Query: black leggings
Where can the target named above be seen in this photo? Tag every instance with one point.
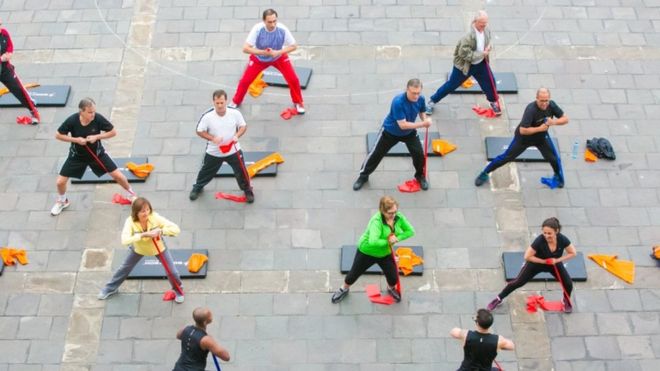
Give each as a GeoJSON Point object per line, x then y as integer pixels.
{"type": "Point", "coordinates": [10, 79]}
{"type": "Point", "coordinates": [529, 270]}
{"type": "Point", "coordinates": [384, 143]}
{"type": "Point", "coordinates": [212, 164]}
{"type": "Point", "coordinates": [518, 145]}
{"type": "Point", "coordinates": [362, 262]}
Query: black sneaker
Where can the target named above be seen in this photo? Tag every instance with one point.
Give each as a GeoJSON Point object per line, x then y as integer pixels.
{"type": "Point", "coordinates": [339, 295]}
{"type": "Point", "coordinates": [559, 181]}
{"type": "Point", "coordinates": [194, 194]}
{"type": "Point", "coordinates": [359, 183]}
{"type": "Point", "coordinates": [423, 184]}
{"type": "Point", "coordinates": [481, 179]}
{"type": "Point", "coordinates": [249, 196]}
{"type": "Point", "coordinates": [394, 294]}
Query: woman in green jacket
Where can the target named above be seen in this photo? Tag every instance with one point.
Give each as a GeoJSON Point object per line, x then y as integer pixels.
{"type": "Point", "coordinates": [386, 228]}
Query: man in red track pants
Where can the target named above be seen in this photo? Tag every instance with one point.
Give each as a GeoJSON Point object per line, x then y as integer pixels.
{"type": "Point", "coordinates": [269, 44]}
{"type": "Point", "coordinates": [9, 77]}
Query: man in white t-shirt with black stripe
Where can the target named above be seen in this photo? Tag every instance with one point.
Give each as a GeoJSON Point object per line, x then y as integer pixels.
{"type": "Point", "coordinates": [222, 127]}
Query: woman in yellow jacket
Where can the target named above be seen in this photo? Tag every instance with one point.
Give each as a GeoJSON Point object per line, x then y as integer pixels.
{"type": "Point", "coordinates": [140, 228]}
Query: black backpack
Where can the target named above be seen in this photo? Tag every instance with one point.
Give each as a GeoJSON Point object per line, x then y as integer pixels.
{"type": "Point", "coordinates": [602, 148]}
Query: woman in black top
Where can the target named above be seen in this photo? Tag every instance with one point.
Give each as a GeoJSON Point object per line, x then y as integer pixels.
{"type": "Point", "coordinates": [546, 250]}
{"type": "Point", "coordinates": [480, 346]}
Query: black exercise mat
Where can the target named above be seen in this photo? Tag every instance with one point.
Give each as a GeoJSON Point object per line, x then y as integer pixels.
{"type": "Point", "coordinates": [505, 81]}
{"type": "Point", "coordinates": [150, 267]}
{"type": "Point", "coordinates": [90, 177]}
{"type": "Point", "coordinates": [348, 254]}
{"type": "Point", "coordinates": [513, 262]}
{"type": "Point", "coordinates": [273, 77]}
{"type": "Point", "coordinates": [495, 146]}
{"type": "Point", "coordinates": [400, 148]}
{"type": "Point", "coordinates": [249, 158]}
{"type": "Point", "coordinates": [44, 96]}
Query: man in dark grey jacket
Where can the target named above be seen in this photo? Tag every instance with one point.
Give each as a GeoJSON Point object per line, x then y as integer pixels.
{"type": "Point", "coordinates": [471, 59]}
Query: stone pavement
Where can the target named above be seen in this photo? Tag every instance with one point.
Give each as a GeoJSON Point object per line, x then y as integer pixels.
{"type": "Point", "coordinates": [152, 65]}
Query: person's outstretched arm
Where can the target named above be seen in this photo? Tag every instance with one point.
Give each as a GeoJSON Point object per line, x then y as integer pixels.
{"type": "Point", "coordinates": [212, 346]}
{"type": "Point", "coordinates": [505, 344]}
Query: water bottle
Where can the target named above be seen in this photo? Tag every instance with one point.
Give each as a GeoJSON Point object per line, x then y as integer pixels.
{"type": "Point", "coordinates": [576, 146]}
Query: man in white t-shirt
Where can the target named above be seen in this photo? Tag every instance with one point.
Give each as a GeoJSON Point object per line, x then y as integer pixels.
{"type": "Point", "coordinates": [269, 44]}
{"type": "Point", "coordinates": [222, 127]}
{"type": "Point", "coordinates": [471, 59]}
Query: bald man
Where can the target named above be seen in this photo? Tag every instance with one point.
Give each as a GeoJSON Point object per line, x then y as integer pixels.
{"type": "Point", "coordinates": [471, 59]}
{"type": "Point", "coordinates": [539, 116]}
{"type": "Point", "coordinates": [196, 344]}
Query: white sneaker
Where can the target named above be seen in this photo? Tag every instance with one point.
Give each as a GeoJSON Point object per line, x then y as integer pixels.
{"type": "Point", "coordinates": [300, 108]}
{"type": "Point", "coordinates": [178, 298]}
{"type": "Point", "coordinates": [59, 206]}
{"type": "Point", "coordinates": [232, 105]}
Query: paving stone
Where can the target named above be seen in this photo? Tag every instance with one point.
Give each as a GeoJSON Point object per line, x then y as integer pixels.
{"type": "Point", "coordinates": [45, 351]}
{"type": "Point", "coordinates": [635, 347]}
{"type": "Point", "coordinates": [644, 322]}
{"type": "Point", "coordinates": [624, 300]}
{"type": "Point", "coordinates": [22, 304]}
{"type": "Point", "coordinates": [34, 327]}
{"type": "Point", "coordinates": [613, 324]}
{"type": "Point", "coordinates": [603, 347]}
{"type": "Point", "coordinates": [8, 327]}
{"type": "Point", "coordinates": [580, 325]}
{"type": "Point", "coordinates": [568, 348]}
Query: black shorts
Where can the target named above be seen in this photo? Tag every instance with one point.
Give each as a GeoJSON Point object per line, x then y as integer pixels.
{"type": "Point", "coordinates": [75, 166]}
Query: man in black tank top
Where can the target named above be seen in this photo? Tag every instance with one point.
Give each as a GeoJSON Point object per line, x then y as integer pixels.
{"type": "Point", "coordinates": [196, 344]}
{"type": "Point", "coordinates": [480, 346]}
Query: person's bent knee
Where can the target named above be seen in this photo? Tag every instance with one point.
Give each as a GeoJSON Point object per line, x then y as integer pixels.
{"type": "Point", "coordinates": [117, 175]}
{"type": "Point", "coordinates": [61, 180]}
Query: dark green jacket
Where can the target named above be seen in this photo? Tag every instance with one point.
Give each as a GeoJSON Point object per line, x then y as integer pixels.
{"type": "Point", "coordinates": [374, 240]}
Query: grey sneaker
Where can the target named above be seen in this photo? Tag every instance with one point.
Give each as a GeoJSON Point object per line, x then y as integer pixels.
{"type": "Point", "coordinates": [429, 107]}
{"type": "Point", "coordinates": [232, 105]}
{"type": "Point", "coordinates": [178, 298]}
{"type": "Point", "coordinates": [568, 307]}
{"type": "Point", "coordinates": [339, 295]}
{"type": "Point", "coordinates": [103, 295]}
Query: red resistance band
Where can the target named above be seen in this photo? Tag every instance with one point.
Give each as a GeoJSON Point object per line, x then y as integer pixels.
{"type": "Point", "coordinates": [230, 197]}
{"type": "Point", "coordinates": [98, 161]}
{"type": "Point", "coordinates": [167, 268]}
